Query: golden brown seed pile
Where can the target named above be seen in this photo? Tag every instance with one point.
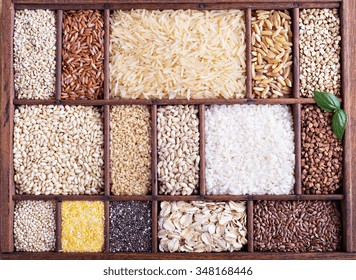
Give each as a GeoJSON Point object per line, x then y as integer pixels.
{"type": "Point", "coordinates": [130, 152]}
{"type": "Point", "coordinates": [82, 55]}
{"type": "Point", "coordinates": [321, 153]}
{"type": "Point", "coordinates": [297, 226]}
{"type": "Point", "coordinates": [271, 54]}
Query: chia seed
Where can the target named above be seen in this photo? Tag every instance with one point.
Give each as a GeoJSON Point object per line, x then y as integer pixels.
{"type": "Point", "coordinates": [130, 226]}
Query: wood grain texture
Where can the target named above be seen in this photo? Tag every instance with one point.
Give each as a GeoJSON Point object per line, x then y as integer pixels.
{"type": "Point", "coordinates": [351, 128]}
{"type": "Point", "coordinates": [210, 101]}
{"type": "Point", "coordinates": [250, 226]}
{"type": "Point", "coordinates": [347, 28]}
{"type": "Point", "coordinates": [295, 28]}
{"type": "Point", "coordinates": [171, 1]}
{"type": "Point", "coordinates": [162, 5]}
{"type": "Point", "coordinates": [107, 178]}
{"type": "Point", "coordinates": [6, 128]}
{"type": "Point", "coordinates": [202, 179]}
{"type": "Point", "coordinates": [183, 256]}
{"type": "Point", "coordinates": [154, 152]}
{"type": "Point", "coordinates": [296, 109]}
{"type": "Point", "coordinates": [58, 226]}
{"type": "Point", "coordinates": [107, 227]}
{"type": "Point", "coordinates": [58, 87]}
{"type": "Point", "coordinates": [154, 214]}
{"type": "Point", "coordinates": [249, 197]}
{"type": "Point", "coordinates": [84, 197]}
{"type": "Point", "coordinates": [178, 197]}
{"type": "Point", "coordinates": [248, 53]}
{"type": "Point", "coordinates": [106, 54]}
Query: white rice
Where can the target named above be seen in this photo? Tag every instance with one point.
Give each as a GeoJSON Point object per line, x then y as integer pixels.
{"type": "Point", "coordinates": [177, 54]}
{"type": "Point", "coordinates": [249, 149]}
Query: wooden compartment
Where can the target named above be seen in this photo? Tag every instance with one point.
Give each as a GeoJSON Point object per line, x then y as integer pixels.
{"type": "Point", "coordinates": [8, 104]}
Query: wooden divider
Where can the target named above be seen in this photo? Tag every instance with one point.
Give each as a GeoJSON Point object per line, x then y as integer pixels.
{"type": "Point", "coordinates": [107, 150]}
{"type": "Point", "coordinates": [296, 109]}
{"type": "Point", "coordinates": [107, 179]}
{"type": "Point", "coordinates": [106, 54]}
{"type": "Point", "coordinates": [58, 87]}
{"type": "Point", "coordinates": [154, 151]}
{"type": "Point", "coordinates": [181, 197]}
{"type": "Point", "coordinates": [107, 226]}
{"type": "Point", "coordinates": [348, 22]}
{"type": "Point", "coordinates": [58, 225]}
{"type": "Point", "coordinates": [248, 53]}
{"type": "Point", "coordinates": [250, 226]}
{"type": "Point", "coordinates": [154, 213]}
{"type": "Point", "coordinates": [154, 178]}
{"type": "Point", "coordinates": [295, 30]}
{"type": "Point", "coordinates": [202, 183]}
{"type": "Point", "coordinates": [7, 184]}
{"type": "Point", "coordinates": [196, 5]}
{"type": "Point", "coordinates": [160, 102]}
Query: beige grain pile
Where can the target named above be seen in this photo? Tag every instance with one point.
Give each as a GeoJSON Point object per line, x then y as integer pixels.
{"type": "Point", "coordinates": [130, 150]}
{"type": "Point", "coordinates": [58, 150]}
{"type": "Point", "coordinates": [177, 54]}
{"type": "Point", "coordinates": [200, 226]}
{"type": "Point", "coordinates": [34, 54]}
{"type": "Point", "coordinates": [320, 47]}
{"type": "Point", "coordinates": [178, 149]}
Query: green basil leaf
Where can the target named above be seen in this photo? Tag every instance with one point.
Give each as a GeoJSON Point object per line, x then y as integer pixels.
{"type": "Point", "coordinates": [326, 101]}
{"type": "Point", "coordinates": [338, 123]}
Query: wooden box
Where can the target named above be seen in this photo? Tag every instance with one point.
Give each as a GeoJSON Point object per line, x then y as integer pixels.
{"type": "Point", "coordinates": [347, 197]}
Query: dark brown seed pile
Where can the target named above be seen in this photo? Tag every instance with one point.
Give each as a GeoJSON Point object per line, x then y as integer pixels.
{"type": "Point", "coordinates": [321, 153]}
{"type": "Point", "coordinates": [130, 226]}
{"type": "Point", "coordinates": [82, 55]}
{"type": "Point", "coordinates": [297, 226]}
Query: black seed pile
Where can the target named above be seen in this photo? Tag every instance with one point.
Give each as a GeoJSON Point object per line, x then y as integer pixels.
{"type": "Point", "coordinates": [130, 226]}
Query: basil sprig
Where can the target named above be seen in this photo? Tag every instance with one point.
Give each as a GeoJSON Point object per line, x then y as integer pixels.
{"type": "Point", "coordinates": [330, 103]}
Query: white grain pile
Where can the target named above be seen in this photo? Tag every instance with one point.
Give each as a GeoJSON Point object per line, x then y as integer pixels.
{"type": "Point", "coordinates": [34, 226]}
{"type": "Point", "coordinates": [249, 149]}
{"type": "Point", "coordinates": [177, 54]}
{"type": "Point", "coordinates": [58, 150]}
{"type": "Point", "coordinates": [34, 54]}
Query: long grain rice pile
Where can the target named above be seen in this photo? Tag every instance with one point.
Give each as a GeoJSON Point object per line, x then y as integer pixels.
{"type": "Point", "coordinates": [177, 54]}
{"type": "Point", "coordinates": [249, 149]}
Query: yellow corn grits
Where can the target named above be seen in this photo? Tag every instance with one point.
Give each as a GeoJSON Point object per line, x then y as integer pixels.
{"type": "Point", "coordinates": [82, 226]}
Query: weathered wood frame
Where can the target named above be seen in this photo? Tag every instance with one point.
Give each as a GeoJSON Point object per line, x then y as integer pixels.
{"type": "Point", "coordinates": [8, 103]}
